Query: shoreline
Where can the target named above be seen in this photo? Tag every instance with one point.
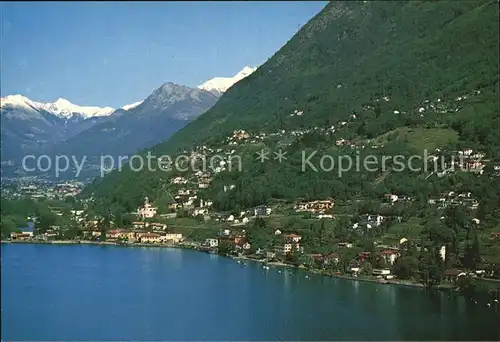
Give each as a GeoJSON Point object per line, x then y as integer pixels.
{"type": "Point", "coordinates": [98, 243]}
{"type": "Point", "coordinates": [346, 277]}
{"type": "Point", "coordinates": [405, 283]}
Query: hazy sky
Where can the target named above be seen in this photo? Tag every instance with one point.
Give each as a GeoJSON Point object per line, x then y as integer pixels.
{"type": "Point", "coordinates": [112, 54]}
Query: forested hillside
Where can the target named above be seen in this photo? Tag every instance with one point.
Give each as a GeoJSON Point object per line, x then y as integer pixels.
{"type": "Point", "coordinates": [355, 52]}
{"type": "Point", "coordinates": [343, 63]}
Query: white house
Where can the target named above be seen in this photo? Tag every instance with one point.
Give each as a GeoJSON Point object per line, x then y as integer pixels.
{"type": "Point", "coordinates": [382, 272]}
{"type": "Point", "coordinates": [442, 252]}
{"type": "Point", "coordinates": [212, 242]}
{"type": "Point", "coordinates": [173, 237]}
{"type": "Point", "coordinates": [262, 211]}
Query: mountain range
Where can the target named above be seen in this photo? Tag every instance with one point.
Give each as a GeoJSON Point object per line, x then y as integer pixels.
{"type": "Point", "coordinates": [61, 127]}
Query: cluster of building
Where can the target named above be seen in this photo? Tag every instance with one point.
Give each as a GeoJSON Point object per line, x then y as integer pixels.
{"type": "Point", "coordinates": [243, 217]}
{"type": "Point", "coordinates": [38, 190]}
{"type": "Point", "coordinates": [316, 207]}
{"type": "Point", "coordinates": [237, 137]}
{"type": "Point", "coordinates": [454, 199]}
{"type": "Point", "coordinates": [187, 199]}
{"type": "Point", "coordinates": [62, 190]}
{"type": "Point", "coordinates": [137, 236]}
{"type": "Point", "coordinates": [288, 243]}
{"type": "Point", "coordinates": [368, 221]}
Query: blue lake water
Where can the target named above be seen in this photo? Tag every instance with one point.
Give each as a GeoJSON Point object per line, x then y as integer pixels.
{"type": "Point", "coordinates": [113, 293]}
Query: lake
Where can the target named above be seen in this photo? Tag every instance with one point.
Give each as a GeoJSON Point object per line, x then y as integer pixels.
{"type": "Point", "coordinates": [115, 293]}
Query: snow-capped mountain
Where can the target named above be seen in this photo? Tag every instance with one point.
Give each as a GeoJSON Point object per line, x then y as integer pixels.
{"type": "Point", "coordinates": [62, 127]}
{"type": "Point", "coordinates": [219, 85]}
{"type": "Point", "coordinates": [132, 105]}
{"type": "Point", "coordinates": [141, 125]}
{"type": "Point", "coordinates": [61, 107]}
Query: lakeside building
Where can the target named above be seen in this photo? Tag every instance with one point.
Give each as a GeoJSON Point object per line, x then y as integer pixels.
{"type": "Point", "coordinates": [291, 242]}
{"type": "Point", "coordinates": [211, 243]}
{"type": "Point", "coordinates": [24, 233]}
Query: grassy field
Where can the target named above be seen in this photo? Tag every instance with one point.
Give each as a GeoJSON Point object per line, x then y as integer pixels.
{"type": "Point", "coordinates": [419, 139]}
{"type": "Point", "coordinates": [410, 229]}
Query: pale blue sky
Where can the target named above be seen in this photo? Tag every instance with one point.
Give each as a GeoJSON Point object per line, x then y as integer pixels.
{"type": "Point", "coordinates": [111, 54]}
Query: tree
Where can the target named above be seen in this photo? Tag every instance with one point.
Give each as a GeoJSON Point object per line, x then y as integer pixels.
{"type": "Point", "coordinates": [347, 255]}
{"type": "Point", "coordinates": [44, 220]}
{"type": "Point", "coordinates": [430, 268]}
{"type": "Point", "coordinates": [368, 245]}
{"type": "Point", "coordinates": [104, 224]}
{"type": "Point", "coordinates": [405, 267]}
{"type": "Point", "coordinates": [307, 260]}
{"type": "Point", "coordinates": [438, 233]}
{"type": "Point", "coordinates": [294, 256]}
{"type": "Point", "coordinates": [259, 223]}
{"type": "Point", "coordinates": [377, 110]}
{"type": "Point", "coordinates": [7, 226]}
{"type": "Point", "coordinates": [74, 231]}
{"type": "Point", "coordinates": [367, 268]}
{"type": "Point", "coordinates": [341, 229]}
{"type": "Point", "coordinates": [472, 255]}
{"type": "Point", "coordinates": [322, 233]}
{"type": "Point", "coordinates": [224, 247]}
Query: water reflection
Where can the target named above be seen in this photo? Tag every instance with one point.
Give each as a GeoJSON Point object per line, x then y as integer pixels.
{"type": "Point", "coordinates": [389, 293]}
{"type": "Point", "coordinates": [356, 286]}
{"type": "Point", "coordinates": [173, 256]}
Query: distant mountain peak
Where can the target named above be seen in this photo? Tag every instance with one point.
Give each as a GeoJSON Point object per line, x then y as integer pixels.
{"type": "Point", "coordinates": [61, 101]}
{"type": "Point", "coordinates": [61, 107]}
{"type": "Point", "coordinates": [219, 85]}
{"type": "Point", "coordinates": [170, 86]}
{"type": "Point", "coordinates": [17, 100]}
{"type": "Point", "coordinates": [13, 98]}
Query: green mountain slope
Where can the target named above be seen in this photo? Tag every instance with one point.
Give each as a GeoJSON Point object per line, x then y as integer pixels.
{"type": "Point", "coordinates": [354, 52]}
{"type": "Point", "coordinates": [344, 62]}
